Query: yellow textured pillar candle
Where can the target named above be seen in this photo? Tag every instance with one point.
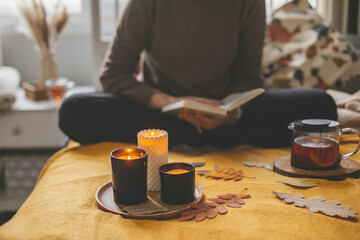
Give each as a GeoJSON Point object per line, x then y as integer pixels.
{"type": "Point", "coordinates": [155, 142]}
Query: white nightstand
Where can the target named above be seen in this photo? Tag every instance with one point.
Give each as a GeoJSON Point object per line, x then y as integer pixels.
{"type": "Point", "coordinates": [29, 135]}
{"type": "Point", "coordinates": [33, 124]}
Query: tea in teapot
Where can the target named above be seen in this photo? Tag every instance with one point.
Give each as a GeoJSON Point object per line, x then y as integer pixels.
{"type": "Point", "coordinates": [315, 144]}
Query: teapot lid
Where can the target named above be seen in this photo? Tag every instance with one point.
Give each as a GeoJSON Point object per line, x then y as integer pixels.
{"type": "Point", "coordinates": [316, 124]}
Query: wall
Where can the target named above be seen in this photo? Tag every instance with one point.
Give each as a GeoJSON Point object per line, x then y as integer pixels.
{"type": "Point", "coordinates": [74, 55]}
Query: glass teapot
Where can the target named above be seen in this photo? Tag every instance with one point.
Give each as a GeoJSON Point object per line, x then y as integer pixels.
{"type": "Point", "coordinates": [315, 144]}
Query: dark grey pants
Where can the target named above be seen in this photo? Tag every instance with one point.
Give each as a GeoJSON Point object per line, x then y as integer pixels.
{"type": "Point", "coordinates": [98, 117]}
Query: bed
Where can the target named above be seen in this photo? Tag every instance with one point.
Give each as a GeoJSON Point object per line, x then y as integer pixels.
{"type": "Point", "coordinates": [63, 205]}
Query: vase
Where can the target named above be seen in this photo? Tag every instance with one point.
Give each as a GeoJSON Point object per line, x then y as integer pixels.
{"type": "Point", "coordinates": [47, 67]}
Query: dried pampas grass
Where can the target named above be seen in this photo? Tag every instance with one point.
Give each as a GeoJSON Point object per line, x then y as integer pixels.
{"type": "Point", "coordinates": [44, 27]}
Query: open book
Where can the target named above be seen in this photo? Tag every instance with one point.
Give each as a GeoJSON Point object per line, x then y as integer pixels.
{"type": "Point", "coordinates": [230, 103]}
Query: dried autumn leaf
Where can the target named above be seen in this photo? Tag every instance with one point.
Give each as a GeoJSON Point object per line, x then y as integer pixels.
{"type": "Point", "coordinates": [200, 211]}
{"type": "Point", "coordinates": [203, 205]}
{"type": "Point", "coordinates": [193, 205]}
{"type": "Point", "coordinates": [210, 204]}
{"type": "Point", "coordinates": [221, 209]}
{"type": "Point", "coordinates": [298, 183]}
{"type": "Point", "coordinates": [225, 197]}
{"type": "Point", "coordinates": [211, 213]}
{"type": "Point", "coordinates": [258, 165]}
{"type": "Point", "coordinates": [233, 204]}
{"type": "Point", "coordinates": [239, 173]}
{"type": "Point", "coordinates": [217, 168]}
{"type": "Point", "coordinates": [231, 194]}
{"type": "Point", "coordinates": [198, 205]}
{"type": "Point", "coordinates": [232, 171]}
{"type": "Point", "coordinates": [216, 175]}
{"type": "Point", "coordinates": [225, 173]}
{"type": "Point", "coordinates": [318, 204]}
{"type": "Point", "coordinates": [244, 196]}
{"type": "Point", "coordinates": [217, 200]}
{"type": "Point", "coordinates": [229, 177]}
{"type": "Point", "coordinates": [191, 212]}
{"type": "Point", "coordinates": [200, 216]}
{"type": "Point", "coordinates": [237, 179]}
{"type": "Point", "coordinates": [186, 217]}
{"type": "Point", "coordinates": [239, 201]}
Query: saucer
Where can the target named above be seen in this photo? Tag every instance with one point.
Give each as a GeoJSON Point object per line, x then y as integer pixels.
{"type": "Point", "coordinates": [348, 168]}
{"type": "Point", "coordinates": [105, 200]}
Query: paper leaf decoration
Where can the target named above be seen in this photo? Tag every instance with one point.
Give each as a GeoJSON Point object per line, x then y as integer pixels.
{"type": "Point", "coordinates": [318, 204]}
{"type": "Point", "coordinates": [200, 211]}
{"type": "Point", "coordinates": [259, 165]}
{"type": "Point", "coordinates": [299, 183]}
{"type": "Point", "coordinates": [225, 173]}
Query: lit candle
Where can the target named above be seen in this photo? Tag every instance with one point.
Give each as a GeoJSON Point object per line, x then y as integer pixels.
{"type": "Point", "coordinates": [129, 175]}
{"type": "Point", "coordinates": [177, 183]}
{"type": "Point", "coordinates": [155, 142]}
{"type": "Point", "coordinates": [177, 171]}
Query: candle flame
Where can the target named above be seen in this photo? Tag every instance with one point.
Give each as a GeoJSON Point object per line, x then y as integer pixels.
{"type": "Point", "coordinates": [152, 133]}
{"type": "Point", "coordinates": [129, 157]}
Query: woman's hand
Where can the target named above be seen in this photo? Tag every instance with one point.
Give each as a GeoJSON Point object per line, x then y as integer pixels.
{"type": "Point", "coordinates": [159, 100]}
{"type": "Point", "coordinates": [209, 123]}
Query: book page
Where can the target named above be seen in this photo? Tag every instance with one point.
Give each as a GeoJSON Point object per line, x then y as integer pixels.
{"type": "Point", "coordinates": [237, 99]}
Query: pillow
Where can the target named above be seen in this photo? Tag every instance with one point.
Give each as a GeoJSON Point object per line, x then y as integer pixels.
{"type": "Point", "coordinates": [302, 50]}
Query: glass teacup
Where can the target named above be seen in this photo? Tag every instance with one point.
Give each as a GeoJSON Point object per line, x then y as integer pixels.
{"type": "Point", "coordinates": [57, 87]}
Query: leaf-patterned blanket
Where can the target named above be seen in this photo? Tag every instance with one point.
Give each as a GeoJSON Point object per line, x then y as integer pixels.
{"type": "Point", "coordinates": [302, 50]}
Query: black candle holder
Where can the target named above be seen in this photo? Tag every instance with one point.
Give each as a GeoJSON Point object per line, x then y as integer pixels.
{"type": "Point", "coordinates": [177, 183]}
{"type": "Point", "coordinates": [129, 175]}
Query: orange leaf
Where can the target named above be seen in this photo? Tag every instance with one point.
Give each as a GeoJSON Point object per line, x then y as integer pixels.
{"type": "Point", "coordinates": [230, 194]}
{"type": "Point", "coordinates": [216, 175]}
{"type": "Point", "coordinates": [217, 200]}
{"type": "Point", "coordinates": [200, 216]}
{"type": "Point", "coordinates": [221, 209]}
{"type": "Point", "coordinates": [247, 196]}
{"type": "Point", "coordinates": [225, 197]}
{"type": "Point", "coordinates": [210, 204]}
{"type": "Point", "coordinates": [232, 171]}
{"type": "Point", "coordinates": [239, 173]}
{"type": "Point", "coordinates": [233, 204]}
{"type": "Point", "coordinates": [211, 213]}
{"type": "Point", "coordinates": [229, 177]}
{"type": "Point", "coordinates": [203, 205]}
{"type": "Point", "coordinates": [239, 201]}
{"type": "Point", "coordinates": [191, 212]}
{"type": "Point", "coordinates": [217, 168]}
{"type": "Point", "coordinates": [186, 217]}
{"type": "Point", "coordinates": [237, 178]}
{"type": "Point", "coordinates": [197, 205]}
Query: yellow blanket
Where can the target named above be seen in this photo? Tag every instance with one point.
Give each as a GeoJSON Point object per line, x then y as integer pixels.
{"type": "Point", "coordinates": [63, 206]}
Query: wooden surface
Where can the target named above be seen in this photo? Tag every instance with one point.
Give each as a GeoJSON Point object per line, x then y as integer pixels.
{"type": "Point", "coordinates": [348, 168]}
{"type": "Point", "coordinates": [105, 200]}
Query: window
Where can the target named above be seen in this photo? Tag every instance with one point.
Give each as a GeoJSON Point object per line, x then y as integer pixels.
{"type": "Point", "coordinates": [110, 12]}
{"type": "Point", "coordinates": [272, 5]}
{"type": "Point", "coordinates": [9, 7]}
{"type": "Point", "coordinates": [77, 8]}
